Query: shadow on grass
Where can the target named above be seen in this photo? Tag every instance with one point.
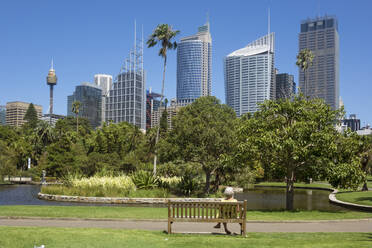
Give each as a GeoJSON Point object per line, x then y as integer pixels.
{"type": "Point", "coordinates": [364, 199]}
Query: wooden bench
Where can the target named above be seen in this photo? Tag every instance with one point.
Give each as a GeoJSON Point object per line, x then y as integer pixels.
{"type": "Point", "coordinates": [223, 212]}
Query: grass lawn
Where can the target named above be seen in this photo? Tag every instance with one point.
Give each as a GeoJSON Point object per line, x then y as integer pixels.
{"type": "Point", "coordinates": [161, 213]}
{"type": "Point", "coordinates": [26, 237]}
{"type": "Point", "coordinates": [361, 197]}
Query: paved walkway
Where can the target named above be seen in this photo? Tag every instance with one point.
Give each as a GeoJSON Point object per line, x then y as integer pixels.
{"type": "Point", "coordinates": [314, 226]}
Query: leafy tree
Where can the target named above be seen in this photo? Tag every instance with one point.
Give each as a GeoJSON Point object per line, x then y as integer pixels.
{"type": "Point", "coordinates": [69, 124]}
{"type": "Point", "coordinates": [304, 61]}
{"type": "Point", "coordinates": [7, 163]}
{"type": "Point", "coordinates": [164, 122]}
{"type": "Point", "coordinates": [31, 116]}
{"type": "Point", "coordinates": [365, 151]}
{"type": "Point", "coordinates": [296, 140]}
{"type": "Point", "coordinates": [75, 110]}
{"type": "Point", "coordinates": [163, 34]}
{"type": "Point", "coordinates": [203, 133]}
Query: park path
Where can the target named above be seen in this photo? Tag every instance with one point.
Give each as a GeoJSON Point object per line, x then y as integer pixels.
{"type": "Point", "coordinates": [161, 225]}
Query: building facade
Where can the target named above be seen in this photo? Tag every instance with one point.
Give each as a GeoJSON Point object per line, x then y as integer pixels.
{"type": "Point", "coordinates": [2, 115]}
{"type": "Point", "coordinates": [320, 35]}
{"type": "Point", "coordinates": [152, 104]}
{"type": "Point", "coordinates": [127, 98]}
{"type": "Point", "coordinates": [105, 82]}
{"type": "Point", "coordinates": [194, 66]}
{"type": "Point", "coordinates": [90, 98]}
{"type": "Point", "coordinates": [52, 118]}
{"type": "Point", "coordinates": [172, 111]}
{"type": "Point", "coordinates": [353, 123]}
{"type": "Point", "coordinates": [15, 113]}
{"type": "Point", "coordinates": [250, 75]}
{"type": "Point", "coordinates": [285, 85]}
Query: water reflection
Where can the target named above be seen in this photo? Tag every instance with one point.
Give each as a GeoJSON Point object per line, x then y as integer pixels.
{"type": "Point", "coordinates": [269, 198]}
{"type": "Point", "coordinates": [258, 199]}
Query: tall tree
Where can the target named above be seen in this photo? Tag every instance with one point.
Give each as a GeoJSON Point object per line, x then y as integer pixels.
{"type": "Point", "coordinates": [203, 133]}
{"type": "Point", "coordinates": [304, 61]}
{"type": "Point", "coordinates": [296, 140]}
{"type": "Point", "coordinates": [163, 34]}
{"type": "Point", "coordinates": [31, 116]}
{"type": "Point", "coordinates": [76, 110]}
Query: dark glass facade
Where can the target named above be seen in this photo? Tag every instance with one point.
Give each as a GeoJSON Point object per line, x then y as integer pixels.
{"type": "Point", "coordinates": [285, 85]}
{"type": "Point", "coordinates": [90, 98]}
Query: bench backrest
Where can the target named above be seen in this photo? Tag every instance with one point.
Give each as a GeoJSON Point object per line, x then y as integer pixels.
{"type": "Point", "coordinates": [207, 210]}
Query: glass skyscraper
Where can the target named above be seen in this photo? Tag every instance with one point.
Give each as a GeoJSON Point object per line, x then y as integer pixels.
{"type": "Point", "coordinates": [320, 35]}
{"type": "Point", "coordinates": [194, 66]}
{"type": "Point", "coordinates": [250, 75]}
{"type": "Point", "coordinates": [90, 98]}
{"type": "Point", "coordinates": [285, 85]}
{"type": "Point", "coordinates": [126, 100]}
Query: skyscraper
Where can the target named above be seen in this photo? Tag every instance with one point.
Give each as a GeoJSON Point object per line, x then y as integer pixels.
{"type": "Point", "coordinates": [51, 81]}
{"type": "Point", "coordinates": [127, 99]}
{"type": "Point", "coordinates": [250, 76]}
{"type": "Point", "coordinates": [152, 105]}
{"type": "Point", "coordinates": [15, 113]}
{"type": "Point", "coordinates": [194, 66]}
{"type": "Point", "coordinates": [2, 115]}
{"type": "Point", "coordinates": [105, 82]}
{"type": "Point", "coordinates": [90, 98]}
{"type": "Point", "coordinates": [320, 35]}
{"type": "Point", "coordinates": [285, 85]}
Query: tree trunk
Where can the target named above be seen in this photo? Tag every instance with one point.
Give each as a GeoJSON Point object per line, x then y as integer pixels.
{"type": "Point", "coordinates": [207, 182]}
{"type": "Point", "coordinates": [289, 190]}
{"type": "Point", "coordinates": [77, 124]}
{"type": "Point", "coordinates": [365, 187]}
{"type": "Point", "coordinates": [158, 128]}
{"type": "Point", "coordinates": [217, 182]}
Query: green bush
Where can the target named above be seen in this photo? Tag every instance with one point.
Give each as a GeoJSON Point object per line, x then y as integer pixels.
{"type": "Point", "coordinates": [188, 185]}
{"type": "Point", "coordinates": [145, 180]}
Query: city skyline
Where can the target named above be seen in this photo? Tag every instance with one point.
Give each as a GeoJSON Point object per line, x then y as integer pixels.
{"type": "Point", "coordinates": [78, 57]}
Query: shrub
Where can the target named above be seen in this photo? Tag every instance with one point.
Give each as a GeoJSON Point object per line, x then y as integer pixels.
{"type": "Point", "coordinates": [169, 182]}
{"type": "Point", "coordinates": [145, 180]}
{"type": "Point", "coordinates": [187, 185]}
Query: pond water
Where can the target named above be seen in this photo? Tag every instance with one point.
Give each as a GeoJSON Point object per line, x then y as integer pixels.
{"type": "Point", "coordinates": [267, 198]}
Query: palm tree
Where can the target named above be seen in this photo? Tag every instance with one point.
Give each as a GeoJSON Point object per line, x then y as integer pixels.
{"type": "Point", "coordinates": [75, 110]}
{"type": "Point", "coordinates": [163, 34]}
{"type": "Point", "coordinates": [304, 61]}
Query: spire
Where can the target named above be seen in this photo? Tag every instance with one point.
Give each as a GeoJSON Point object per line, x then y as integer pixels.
{"type": "Point", "coordinates": [51, 65]}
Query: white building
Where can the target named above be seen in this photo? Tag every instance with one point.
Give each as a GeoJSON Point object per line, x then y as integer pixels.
{"type": "Point", "coordinates": [105, 82]}
{"type": "Point", "coordinates": [250, 75]}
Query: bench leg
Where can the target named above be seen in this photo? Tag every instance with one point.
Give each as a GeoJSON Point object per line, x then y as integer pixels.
{"type": "Point", "coordinates": [169, 227]}
{"type": "Point", "coordinates": [244, 228]}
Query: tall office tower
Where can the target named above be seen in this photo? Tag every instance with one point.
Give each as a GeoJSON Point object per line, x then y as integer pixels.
{"type": "Point", "coordinates": [105, 82]}
{"type": "Point", "coordinates": [320, 35]}
{"type": "Point", "coordinates": [127, 99]}
{"type": "Point", "coordinates": [250, 75]}
{"type": "Point", "coordinates": [285, 85]}
{"type": "Point", "coordinates": [194, 66]}
{"type": "Point", "coordinates": [51, 81]}
{"type": "Point", "coordinates": [15, 113]}
{"type": "Point", "coordinates": [2, 115]}
{"type": "Point", "coordinates": [152, 104]}
{"type": "Point", "coordinates": [90, 98]}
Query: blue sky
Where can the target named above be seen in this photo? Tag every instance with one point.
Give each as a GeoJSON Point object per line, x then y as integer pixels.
{"type": "Point", "coordinates": [91, 37]}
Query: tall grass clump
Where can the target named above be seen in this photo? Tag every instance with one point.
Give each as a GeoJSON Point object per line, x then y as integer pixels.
{"type": "Point", "coordinates": [99, 186]}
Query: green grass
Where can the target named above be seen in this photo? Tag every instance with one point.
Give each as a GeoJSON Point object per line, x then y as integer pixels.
{"type": "Point", "coordinates": [307, 185]}
{"type": "Point", "coordinates": [361, 197]}
{"type": "Point", "coordinates": [26, 237]}
{"type": "Point", "coordinates": [161, 213]}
